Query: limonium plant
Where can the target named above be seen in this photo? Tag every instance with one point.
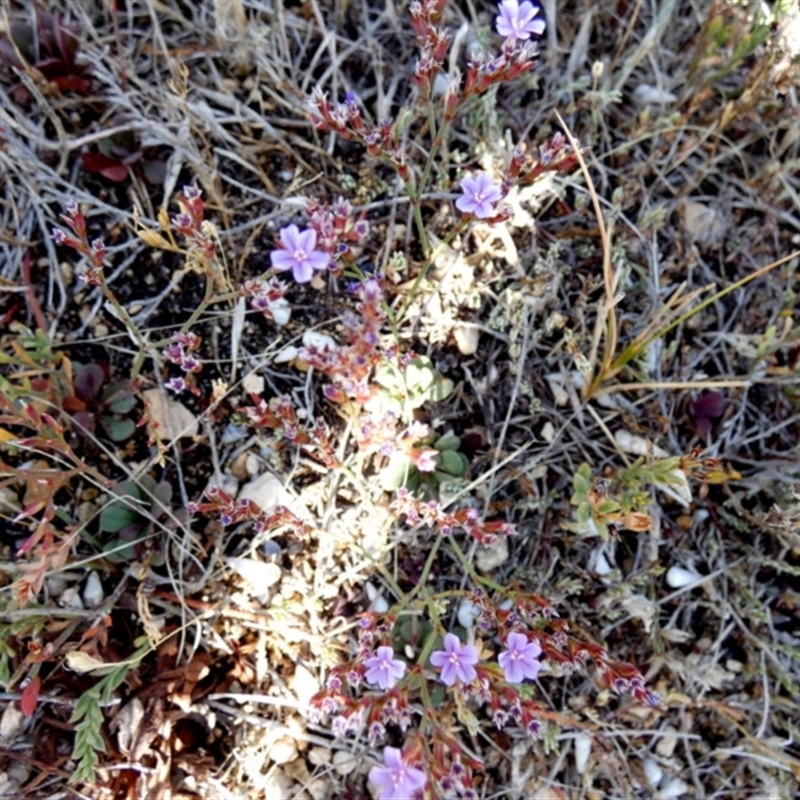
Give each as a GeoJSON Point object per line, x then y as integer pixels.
{"type": "Point", "coordinates": [488, 670]}
{"type": "Point", "coordinates": [428, 673]}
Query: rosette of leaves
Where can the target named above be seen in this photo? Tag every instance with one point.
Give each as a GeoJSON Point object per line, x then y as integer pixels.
{"type": "Point", "coordinates": [121, 152]}
{"type": "Point", "coordinates": [138, 509]}
{"type": "Point", "coordinates": [451, 464]}
{"type": "Point", "coordinates": [404, 389]}
{"type": "Point", "coordinates": [48, 44]}
{"type": "Point", "coordinates": [94, 404]}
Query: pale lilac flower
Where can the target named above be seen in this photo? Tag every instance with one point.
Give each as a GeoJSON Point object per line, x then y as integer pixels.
{"type": "Point", "coordinates": [397, 781]}
{"type": "Point", "coordinates": [424, 458]}
{"type": "Point", "coordinates": [384, 669]}
{"type": "Point", "coordinates": [480, 193]}
{"type": "Point", "coordinates": [176, 385]}
{"type": "Point", "coordinates": [520, 659]}
{"type": "Point", "coordinates": [457, 661]}
{"type": "Point", "coordinates": [516, 20]}
{"type": "Point", "coordinates": [298, 254]}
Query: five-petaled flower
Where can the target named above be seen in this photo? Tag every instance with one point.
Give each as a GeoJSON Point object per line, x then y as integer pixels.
{"type": "Point", "coordinates": [397, 780]}
{"type": "Point", "coordinates": [480, 194]}
{"type": "Point", "coordinates": [298, 253]}
{"type": "Point", "coordinates": [516, 20]}
{"type": "Point", "coordinates": [521, 658]}
{"type": "Point", "coordinates": [383, 669]}
{"type": "Point", "coordinates": [457, 661]}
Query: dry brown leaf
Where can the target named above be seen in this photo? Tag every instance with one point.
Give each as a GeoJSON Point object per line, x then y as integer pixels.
{"type": "Point", "coordinates": [169, 418]}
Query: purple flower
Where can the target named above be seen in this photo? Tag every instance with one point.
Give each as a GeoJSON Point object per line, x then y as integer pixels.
{"type": "Point", "coordinates": [480, 193]}
{"type": "Point", "coordinates": [457, 661]}
{"type": "Point", "coordinates": [384, 669]}
{"type": "Point", "coordinates": [516, 20]}
{"type": "Point", "coordinates": [520, 659]}
{"type": "Point", "coordinates": [397, 781]}
{"type": "Point", "coordinates": [176, 385]}
{"type": "Point", "coordinates": [298, 254]}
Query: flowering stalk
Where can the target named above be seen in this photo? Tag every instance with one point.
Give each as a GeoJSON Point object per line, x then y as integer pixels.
{"type": "Point", "coordinates": [93, 271]}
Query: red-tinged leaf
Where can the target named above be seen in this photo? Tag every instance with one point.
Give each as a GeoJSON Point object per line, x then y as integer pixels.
{"type": "Point", "coordinates": [30, 696]}
{"type": "Point", "coordinates": [107, 167]}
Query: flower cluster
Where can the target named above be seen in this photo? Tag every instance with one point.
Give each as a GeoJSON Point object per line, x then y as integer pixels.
{"type": "Point", "coordinates": [433, 41]}
{"type": "Point", "coordinates": [268, 297]}
{"type": "Point", "coordinates": [516, 22]}
{"type": "Point", "coordinates": [520, 659]}
{"type": "Point", "coordinates": [190, 222]}
{"type": "Point", "coordinates": [527, 630]}
{"type": "Point", "coordinates": [431, 513]}
{"type": "Point", "coordinates": [331, 232]}
{"type": "Point", "coordinates": [346, 121]}
{"type": "Point", "coordinates": [181, 352]}
{"type": "Point", "coordinates": [348, 366]}
{"type": "Point", "coordinates": [336, 226]}
{"type": "Point", "coordinates": [280, 415]}
{"type": "Point", "coordinates": [233, 511]}
{"type": "Point", "coordinates": [554, 156]}
{"type": "Point", "coordinates": [95, 253]}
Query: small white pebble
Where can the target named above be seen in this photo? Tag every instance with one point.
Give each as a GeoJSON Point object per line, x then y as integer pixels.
{"type": "Point", "coordinates": [283, 751]}
{"type": "Point", "coordinates": [319, 756]}
{"type": "Point", "coordinates": [93, 591]}
{"type": "Point", "coordinates": [286, 355]}
{"type": "Point", "coordinates": [652, 772]}
{"type": "Point", "coordinates": [467, 613]}
{"type": "Point", "coordinates": [70, 598]}
{"type": "Point", "coordinates": [675, 788]}
{"type": "Point", "coordinates": [489, 558]}
{"type": "Point", "coordinates": [600, 564]}
{"type": "Point", "coordinates": [678, 577]}
{"type": "Point", "coordinates": [377, 602]}
{"type": "Point", "coordinates": [320, 789]}
{"type": "Point", "coordinates": [319, 340]}
{"type": "Point", "coordinates": [281, 311]}
{"type": "Point", "coordinates": [343, 762]}
{"type": "Point", "coordinates": [253, 383]}
{"type": "Point", "coordinates": [583, 748]}
{"type": "Point", "coordinates": [548, 432]}
{"type": "Point", "coordinates": [467, 338]}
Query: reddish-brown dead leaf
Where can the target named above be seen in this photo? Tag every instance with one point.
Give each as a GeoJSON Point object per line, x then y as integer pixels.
{"type": "Point", "coordinates": [30, 696]}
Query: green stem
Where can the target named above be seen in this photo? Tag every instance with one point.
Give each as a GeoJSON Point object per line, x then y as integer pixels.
{"type": "Point", "coordinates": [395, 320]}
{"type": "Point", "coordinates": [470, 569]}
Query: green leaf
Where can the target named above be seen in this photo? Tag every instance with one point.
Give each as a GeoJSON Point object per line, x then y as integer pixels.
{"type": "Point", "coordinates": [441, 390]}
{"type": "Point", "coordinates": [454, 464]}
{"type": "Point", "coordinates": [118, 515]}
{"type": "Point", "coordinates": [119, 398]}
{"type": "Point", "coordinates": [580, 484]}
{"type": "Point", "coordinates": [118, 429]}
{"type": "Point", "coordinates": [396, 472]}
{"type": "Point", "coordinates": [449, 442]}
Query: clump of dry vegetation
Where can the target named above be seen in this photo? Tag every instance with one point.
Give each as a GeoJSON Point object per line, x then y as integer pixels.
{"type": "Point", "coordinates": [385, 408]}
